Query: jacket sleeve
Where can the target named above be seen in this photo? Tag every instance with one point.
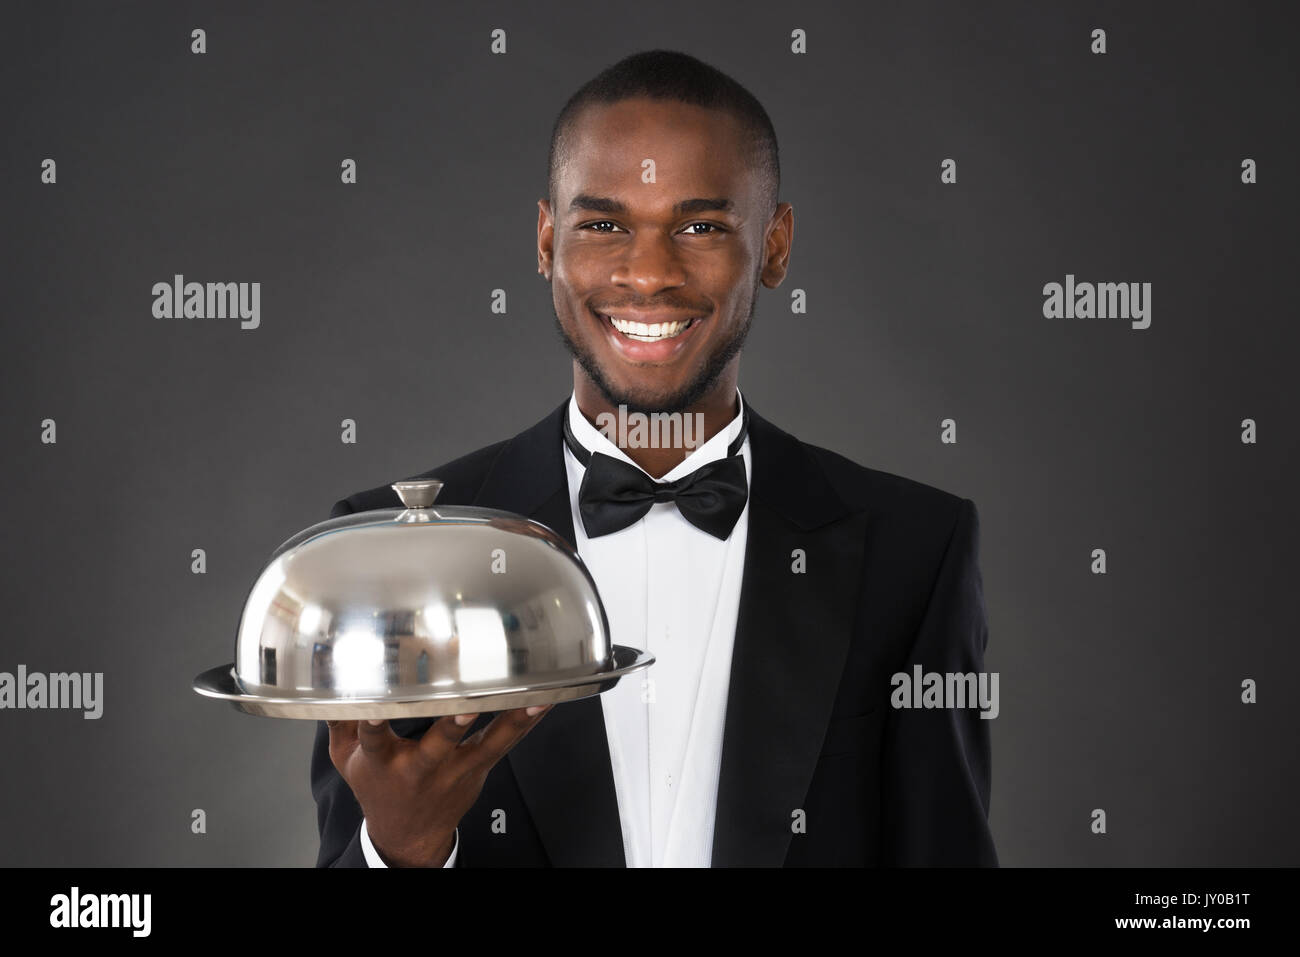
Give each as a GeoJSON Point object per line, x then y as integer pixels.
{"type": "Point", "coordinates": [937, 761]}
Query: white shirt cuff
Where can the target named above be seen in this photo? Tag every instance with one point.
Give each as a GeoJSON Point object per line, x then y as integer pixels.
{"type": "Point", "coordinates": [374, 860]}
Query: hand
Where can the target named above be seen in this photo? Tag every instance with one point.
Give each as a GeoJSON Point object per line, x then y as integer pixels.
{"type": "Point", "coordinates": [413, 793]}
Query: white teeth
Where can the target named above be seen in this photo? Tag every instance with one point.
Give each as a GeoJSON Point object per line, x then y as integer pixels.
{"type": "Point", "coordinates": [648, 333]}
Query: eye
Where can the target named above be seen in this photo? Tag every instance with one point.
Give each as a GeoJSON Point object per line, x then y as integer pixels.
{"type": "Point", "coordinates": [713, 227]}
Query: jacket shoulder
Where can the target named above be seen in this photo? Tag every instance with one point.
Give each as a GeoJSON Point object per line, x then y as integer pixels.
{"type": "Point", "coordinates": [461, 478]}
{"type": "Point", "coordinates": [907, 502]}
{"type": "Point", "coordinates": [913, 529]}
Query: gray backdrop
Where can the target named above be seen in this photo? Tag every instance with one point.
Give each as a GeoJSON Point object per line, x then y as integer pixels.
{"type": "Point", "coordinates": [1119, 691]}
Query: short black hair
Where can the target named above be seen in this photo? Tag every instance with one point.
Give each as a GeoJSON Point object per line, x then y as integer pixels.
{"type": "Point", "coordinates": [670, 75]}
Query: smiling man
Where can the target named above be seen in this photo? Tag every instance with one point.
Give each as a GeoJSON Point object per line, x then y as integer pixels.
{"type": "Point", "coordinates": [780, 585]}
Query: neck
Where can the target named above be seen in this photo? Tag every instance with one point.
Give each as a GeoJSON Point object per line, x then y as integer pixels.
{"type": "Point", "coordinates": [718, 408]}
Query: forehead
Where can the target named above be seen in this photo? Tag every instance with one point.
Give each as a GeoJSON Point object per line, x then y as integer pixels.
{"type": "Point", "coordinates": [695, 150]}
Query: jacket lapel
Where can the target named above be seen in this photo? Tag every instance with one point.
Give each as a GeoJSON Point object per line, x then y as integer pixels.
{"type": "Point", "coordinates": [792, 635]}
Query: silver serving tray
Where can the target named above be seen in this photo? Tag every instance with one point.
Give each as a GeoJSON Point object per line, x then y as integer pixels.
{"type": "Point", "coordinates": [220, 683]}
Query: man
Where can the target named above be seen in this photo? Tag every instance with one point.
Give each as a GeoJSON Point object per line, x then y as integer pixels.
{"type": "Point", "coordinates": [779, 601]}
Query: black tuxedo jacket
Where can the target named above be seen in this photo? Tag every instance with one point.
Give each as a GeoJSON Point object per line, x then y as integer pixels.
{"type": "Point", "coordinates": [891, 580]}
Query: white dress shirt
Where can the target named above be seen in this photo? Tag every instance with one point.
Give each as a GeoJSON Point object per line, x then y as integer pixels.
{"type": "Point", "coordinates": [674, 590]}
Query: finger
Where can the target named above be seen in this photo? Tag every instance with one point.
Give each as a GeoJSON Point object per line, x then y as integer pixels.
{"type": "Point", "coordinates": [377, 737]}
{"type": "Point", "coordinates": [343, 740]}
{"type": "Point", "coordinates": [443, 735]}
{"type": "Point", "coordinates": [488, 746]}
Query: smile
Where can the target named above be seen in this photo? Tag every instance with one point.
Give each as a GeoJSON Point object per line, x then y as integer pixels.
{"type": "Point", "coordinates": [653, 342]}
{"type": "Point", "coordinates": [649, 333]}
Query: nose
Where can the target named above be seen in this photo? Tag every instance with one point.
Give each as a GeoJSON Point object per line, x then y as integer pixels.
{"type": "Point", "coordinates": [652, 263]}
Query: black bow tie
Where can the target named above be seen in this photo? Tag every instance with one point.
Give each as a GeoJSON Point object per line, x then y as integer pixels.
{"type": "Point", "coordinates": [614, 494]}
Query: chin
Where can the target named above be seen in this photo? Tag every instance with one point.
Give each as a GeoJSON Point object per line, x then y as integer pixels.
{"type": "Point", "coordinates": [647, 397]}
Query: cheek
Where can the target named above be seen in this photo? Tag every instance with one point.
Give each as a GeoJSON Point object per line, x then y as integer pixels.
{"type": "Point", "coordinates": [568, 306]}
{"type": "Point", "coordinates": [579, 270]}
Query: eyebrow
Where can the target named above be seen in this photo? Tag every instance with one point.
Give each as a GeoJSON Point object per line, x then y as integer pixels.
{"type": "Point", "coordinates": [602, 204]}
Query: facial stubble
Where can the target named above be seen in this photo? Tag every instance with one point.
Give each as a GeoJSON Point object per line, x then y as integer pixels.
{"type": "Point", "coordinates": [684, 398]}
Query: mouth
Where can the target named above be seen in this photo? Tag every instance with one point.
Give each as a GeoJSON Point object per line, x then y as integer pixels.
{"type": "Point", "coordinates": [648, 342]}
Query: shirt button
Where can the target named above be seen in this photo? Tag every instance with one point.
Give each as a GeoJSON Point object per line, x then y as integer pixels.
{"type": "Point", "coordinates": [670, 780]}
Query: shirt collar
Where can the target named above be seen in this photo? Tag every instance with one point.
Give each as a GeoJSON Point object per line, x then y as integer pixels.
{"type": "Point", "coordinates": [592, 439]}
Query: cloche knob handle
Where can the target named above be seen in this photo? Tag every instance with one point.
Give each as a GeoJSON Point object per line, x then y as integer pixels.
{"type": "Point", "coordinates": [418, 493]}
